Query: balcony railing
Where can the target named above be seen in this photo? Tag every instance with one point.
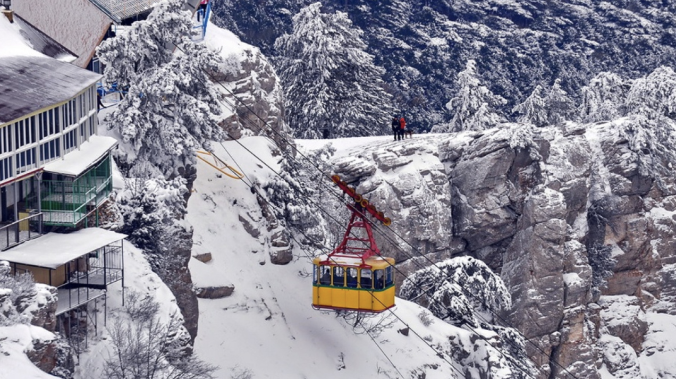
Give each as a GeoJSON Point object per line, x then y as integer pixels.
{"type": "Point", "coordinates": [21, 231]}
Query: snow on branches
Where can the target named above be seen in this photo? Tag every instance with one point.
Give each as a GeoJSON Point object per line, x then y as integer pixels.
{"type": "Point", "coordinates": [474, 106]}
{"type": "Point", "coordinates": [454, 289]}
{"type": "Point", "coordinates": [545, 108]}
{"type": "Point", "coordinates": [170, 106]}
{"type": "Point", "coordinates": [602, 98]}
{"type": "Point", "coordinates": [332, 86]}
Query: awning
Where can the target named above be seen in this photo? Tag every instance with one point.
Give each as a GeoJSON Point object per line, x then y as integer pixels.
{"type": "Point", "coordinates": [56, 249]}
{"type": "Point", "coordinates": [78, 161]}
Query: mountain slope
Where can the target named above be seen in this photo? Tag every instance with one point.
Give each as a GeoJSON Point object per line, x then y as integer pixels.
{"type": "Point", "coordinates": [517, 44]}
{"type": "Point", "coordinates": [267, 327]}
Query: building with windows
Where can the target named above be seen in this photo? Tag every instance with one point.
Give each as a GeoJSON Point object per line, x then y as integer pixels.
{"type": "Point", "coordinates": [55, 174]}
{"type": "Point", "coordinates": [51, 159]}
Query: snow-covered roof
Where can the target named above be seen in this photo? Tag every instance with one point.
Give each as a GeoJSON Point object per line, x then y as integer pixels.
{"type": "Point", "coordinates": [44, 43]}
{"type": "Point", "coordinates": [76, 24]}
{"type": "Point", "coordinates": [122, 9]}
{"type": "Point", "coordinates": [56, 249]}
{"type": "Point", "coordinates": [30, 81]}
{"type": "Point", "coordinates": [78, 161]}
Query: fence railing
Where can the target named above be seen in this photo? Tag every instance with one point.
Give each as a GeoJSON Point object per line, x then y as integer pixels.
{"type": "Point", "coordinates": [20, 231]}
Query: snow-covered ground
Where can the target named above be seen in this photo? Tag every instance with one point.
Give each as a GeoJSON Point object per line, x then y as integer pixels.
{"type": "Point", "coordinates": [14, 341]}
{"type": "Point", "coordinates": [267, 328]}
{"type": "Point", "coordinates": [138, 278]}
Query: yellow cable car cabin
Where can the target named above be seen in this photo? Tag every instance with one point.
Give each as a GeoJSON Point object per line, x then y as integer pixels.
{"type": "Point", "coordinates": [347, 284]}
{"type": "Point", "coordinates": [355, 277]}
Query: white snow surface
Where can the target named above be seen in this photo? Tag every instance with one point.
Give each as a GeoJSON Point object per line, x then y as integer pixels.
{"type": "Point", "coordinates": [13, 44]}
{"type": "Point", "coordinates": [55, 249]}
{"type": "Point", "coordinates": [76, 24]}
{"type": "Point", "coordinates": [14, 341]}
{"type": "Point", "coordinates": [77, 161]}
{"type": "Point", "coordinates": [267, 328]}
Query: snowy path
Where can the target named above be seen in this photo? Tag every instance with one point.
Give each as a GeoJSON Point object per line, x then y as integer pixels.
{"type": "Point", "coordinates": [267, 327]}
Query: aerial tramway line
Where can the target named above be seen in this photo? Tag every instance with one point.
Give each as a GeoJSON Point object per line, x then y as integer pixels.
{"type": "Point", "coordinates": [355, 277]}
{"type": "Point", "coordinates": [332, 299]}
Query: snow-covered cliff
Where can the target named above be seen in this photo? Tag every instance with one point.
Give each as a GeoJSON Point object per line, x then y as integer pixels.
{"type": "Point", "coordinates": [578, 220]}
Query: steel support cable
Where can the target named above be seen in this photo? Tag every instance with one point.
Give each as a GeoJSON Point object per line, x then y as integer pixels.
{"type": "Point", "coordinates": [308, 198]}
{"type": "Point", "coordinates": [265, 123]}
{"type": "Point", "coordinates": [393, 266]}
{"type": "Point", "coordinates": [497, 316]}
{"type": "Point", "coordinates": [437, 353]}
{"type": "Point", "coordinates": [385, 236]}
{"type": "Point", "coordinates": [381, 350]}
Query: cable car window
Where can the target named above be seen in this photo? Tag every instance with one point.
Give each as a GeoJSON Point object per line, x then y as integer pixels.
{"type": "Point", "coordinates": [365, 278]}
{"type": "Point", "coordinates": [352, 277]}
{"type": "Point", "coordinates": [314, 274]}
{"type": "Point", "coordinates": [338, 276]}
{"type": "Point", "coordinates": [389, 278]}
{"type": "Point", "coordinates": [325, 278]}
{"type": "Point", "coordinates": [378, 279]}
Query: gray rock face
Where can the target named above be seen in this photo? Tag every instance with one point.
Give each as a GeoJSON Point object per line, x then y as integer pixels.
{"type": "Point", "coordinates": [258, 99]}
{"type": "Point", "coordinates": [531, 209]}
{"type": "Point", "coordinates": [405, 190]}
{"type": "Point", "coordinates": [216, 292]}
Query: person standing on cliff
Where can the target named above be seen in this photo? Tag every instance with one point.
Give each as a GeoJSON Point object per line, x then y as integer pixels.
{"type": "Point", "coordinates": [395, 127]}
{"type": "Point", "coordinates": [402, 127]}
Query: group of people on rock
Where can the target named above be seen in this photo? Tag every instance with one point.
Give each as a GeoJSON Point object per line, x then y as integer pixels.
{"type": "Point", "coordinates": [399, 128]}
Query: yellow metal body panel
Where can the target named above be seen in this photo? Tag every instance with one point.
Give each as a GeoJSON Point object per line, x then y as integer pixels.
{"type": "Point", "coordinates": [348, 298]}
{"type": "Point", "coordinates": [352, 298]}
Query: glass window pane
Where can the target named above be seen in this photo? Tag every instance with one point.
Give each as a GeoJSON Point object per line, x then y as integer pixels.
{"type": "Point", "coordinates": [389, 279]}
{"type": "Point", "coordinates": [352, 277]}
{"type": "Point", "coordinates": [365, 278]}
{"type": "Point", "coordinates": [378, 279]}
{"type": "Point", "coordinates": [338, 277]}
{"type": "Point", "coordinates": [325, 278]}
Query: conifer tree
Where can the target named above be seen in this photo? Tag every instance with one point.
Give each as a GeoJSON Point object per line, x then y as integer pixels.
{"type": "Point", "coordinates": [474, 106]}
{"type": "Point", "coordinates": [546, 108]}
{"type": "Point", "coordinates": [332, 86]}
{"type": "Point", "coordinates": [655, 95]}
{"type": "Point", "coordinates": [170, 106]}
{"type": "Point", "coordinates": [603, 97]}
{"type": "Point", "coordinates": [533, 110]}
{"type": "Point", "coordinates": [559, 105]}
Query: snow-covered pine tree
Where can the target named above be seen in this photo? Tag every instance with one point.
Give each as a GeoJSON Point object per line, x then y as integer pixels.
{"type": "Point", "coordinates": [170, 106]}
{"type": "Point", "coordinates": [332, 86]}
{"type": "Point", "coordinates": [533, 110]}
{"type": "Point", "coordinates": [651, 126]}
{"type": "Point", "coordinates": [655, 95]}
{"type": "Point", "coordinates": [473, 108]}
{"type": "Point", "coordinates": [560, 107]}
{"type": "Point", "coordinates": [543, 108]}
{"type": "Point", "coordinates": [455, 288]}
{"type": "Point", "coordinates": [603, 97]}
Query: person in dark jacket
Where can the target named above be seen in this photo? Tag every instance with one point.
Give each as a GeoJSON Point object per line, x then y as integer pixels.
{"type": "Point", "coordinates": [395, 127]}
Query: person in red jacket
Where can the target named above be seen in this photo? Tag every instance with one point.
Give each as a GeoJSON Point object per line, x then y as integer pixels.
{"type": "Point", "coordinates": [202, 10]}
{"type": "Point", "coordinates": [402, 127]}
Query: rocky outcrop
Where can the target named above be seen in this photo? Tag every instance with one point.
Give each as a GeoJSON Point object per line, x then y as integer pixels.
{"type": "Point", "coordinates": [257, 97]}
{"type": "Point", "coordinates": [204, 258]}
{"type": "Point", "coordinates": [271, 232]}
{"type": "Point", "coordinates": [417, 193]}
{"type": "Point", "coordinates": [579, 221]}
{"type": "Point", "coordinates": [214, 292]}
